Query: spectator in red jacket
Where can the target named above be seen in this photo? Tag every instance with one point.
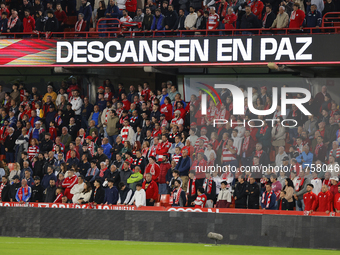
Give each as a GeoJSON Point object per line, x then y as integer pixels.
{"type": "Point", "coordinates": [297, 17]}
{"type": "Point", "coordinates": [28, 22]}
{"type": "Point", "coordinates": [334, 185]}
{"type": "Point", "coordinates": [164, 167]}
{"type": "Point", "coordinates": [337, 201]}
{"type": "Point", "coordinates": [230, 19]}
{"type": "Point", "coordinates": [256, 8]}
{"type": "Point", "coordinates": [69, 182]}
{"type": "Point", "coordinates": [213, 20]}
{"type": "Point", "coordinates": [131, 7]}
{"type": "Point", "coordinates": [309, 199]}
{"type": "Point", "coordinates": [324, 200]}
{"type": "Point", "coordinates": [153, 169]}
{"type": "Point", "coordinates": [61, 17]}
{"type": "Point", "coordinates": [151, 190]}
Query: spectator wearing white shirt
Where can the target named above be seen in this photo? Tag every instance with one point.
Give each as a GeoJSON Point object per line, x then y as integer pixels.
{"type": "Point", "coordinates": [77, 189]}
{"type": "Point", "coordinates": [317, 183]}
{"type": "Point", "coordinates": [77, 103]}
{"type": "Point", "coordinates": [139, 198]}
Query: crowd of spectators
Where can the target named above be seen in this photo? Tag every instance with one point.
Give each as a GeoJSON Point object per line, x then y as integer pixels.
{"type": "Point", "coordinates": [51, 16]}
{"type": "Point", "coordinates": [131, 146]}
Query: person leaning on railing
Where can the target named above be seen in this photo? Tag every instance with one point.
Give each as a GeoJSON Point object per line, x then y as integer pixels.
{"type": "Point", "coordinates": [282, 19]}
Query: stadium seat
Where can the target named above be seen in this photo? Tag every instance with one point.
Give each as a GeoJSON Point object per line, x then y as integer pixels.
{"type": "Point", "coordinates": [165, 200]}
{"type": "Point", "coordinates": [71, 21]}
{"type": "Point", "coordinates": [93, 30]}
{"type": "Point", "coordinates": [11, 166]}
{"type": "Point", "coordinates": [157, 204]}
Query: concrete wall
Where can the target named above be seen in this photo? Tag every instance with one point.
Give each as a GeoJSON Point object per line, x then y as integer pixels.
{"type": "Point", "coordinates": [238, 229]}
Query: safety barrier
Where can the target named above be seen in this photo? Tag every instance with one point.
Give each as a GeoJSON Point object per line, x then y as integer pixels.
{"type": "Point", "coordinates": [166, 208]}
{"type": "Point", "coordinates": [172, 226]}
{"type": "Point", "coordinates": [113, 29]}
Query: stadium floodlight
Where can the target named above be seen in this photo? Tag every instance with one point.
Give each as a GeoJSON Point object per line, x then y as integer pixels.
{"type": "Point", "coordinates": [215, 236]}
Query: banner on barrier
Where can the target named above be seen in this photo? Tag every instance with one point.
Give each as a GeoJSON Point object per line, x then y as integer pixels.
{"type": "Point", "coordinates": [241, 50]}
{"type": "Point", "coordinates": [161, 208]}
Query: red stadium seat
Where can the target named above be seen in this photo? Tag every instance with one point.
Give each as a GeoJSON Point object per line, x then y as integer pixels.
{"type": "Point", "coordinates": [71, 21]}
{"type": "Point", "coordinates": [165, 200]}
{"type": "Point", "coordinates": [158, 204]}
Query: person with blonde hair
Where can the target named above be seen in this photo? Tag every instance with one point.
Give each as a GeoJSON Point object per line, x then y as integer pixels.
{"type": "Point", "coordinates": [14, 172]}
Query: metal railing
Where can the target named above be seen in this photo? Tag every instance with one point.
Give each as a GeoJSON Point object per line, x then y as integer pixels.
{"type": "Point", "coordinates": [115, 28]}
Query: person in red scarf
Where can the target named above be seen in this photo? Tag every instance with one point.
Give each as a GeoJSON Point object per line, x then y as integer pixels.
{"type": "Point", "coordinates": [177, 198]}
{"type": "Point", "coordinates": [153, 169]}
{"type": "Point", "coordinates": [146, 91]}
{"type": "Point", "coordinates": [80, 25]}
{"type": "Point", "coordinates": [282, 203]}
{"type": "Point", "coordinates": [263, 136]}
{"type": "Point", "coordinates": [68, 183]}
{"type": "Point", "coordinates": [3, 9]}
{"type": "Point", "coordinates": [192, 188]}
{"type": "Point", "coordinates": [324, 201]}
{"type": "Point", "coordinates": [268, 199]}
{"type": "Point", "coordinates": [199, 167]}
{"type": "Point", "coordinates": [14, 23]}
{"type": "Point", "coordinates": [151, 190]}
{"type": "Point", "coordinates": [163, 147]}
{"type": "Point", "coordinates": [320, 151]}
{"type": "Point", "coordinates": [209, 187]}
{"type": "Point", "coordinates": [247, 149]}
{"type": "Point", "coordinates": [23, 193]}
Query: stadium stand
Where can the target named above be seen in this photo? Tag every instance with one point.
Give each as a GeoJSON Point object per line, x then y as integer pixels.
{"type": "Point", "coordinates": [188, 18]}
{"type": "Point", "coordinates": [151, 148]}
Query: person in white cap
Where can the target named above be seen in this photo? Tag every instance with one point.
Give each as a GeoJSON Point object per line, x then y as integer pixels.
{"type": "Point", "coordinates": [37, 130]}
{"type": "Point", "coordinates": [177, 120]}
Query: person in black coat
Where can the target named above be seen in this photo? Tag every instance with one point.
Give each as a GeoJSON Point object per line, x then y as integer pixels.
{"type": "Point", "coordinates": [249, 20]}
{"type": "Point", "coordinates": [170, 18]}
{"type": "Point", "coordinates": [39, 165]}
{"type": "Point", "coordinates": [179, 25]}
{"type": "Point", "coordinates": [14, 188]}
{"type": "Point", "coordinates": [253, 193]}
{"type": "Point", "coordinates": [209, 186]}
{"type": "Point", "coordinates": [46, 144]}
{"type": "Point", "coordinates": [50, 192]}
{"type": "Point", "coordinates": [15, 24]}
{"type": "Point", "coordinates": [282, 203]}
{"type": "Point", "coordinates": [51, 24]}
{"type": "Point", "coordinates": [6, 190]}
{"type": "Point", "coordinates": [98, 194]}
{"type": "Point", "coordinates": [116, 148]}
{"type": "Point", "coordinates": [40, 21]}
{"type": "Point", "coordinates": [114, 175]}
{"type": "Point", "coordinates": [9, 145]}
{"type": "Point", "coordinates": [240, 194]}
{"type": "Point", "coordinates": [269, 17]}
{"type": "Point", "coordinates": [37, 191]}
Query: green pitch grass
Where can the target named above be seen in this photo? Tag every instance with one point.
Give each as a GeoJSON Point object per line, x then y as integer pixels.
{"type": "Point", "coordinates": [37, 246]}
